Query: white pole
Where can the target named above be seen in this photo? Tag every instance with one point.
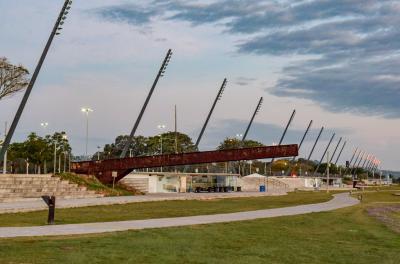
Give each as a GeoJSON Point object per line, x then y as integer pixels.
{"type": "Point", "coordinates": [87, 132]}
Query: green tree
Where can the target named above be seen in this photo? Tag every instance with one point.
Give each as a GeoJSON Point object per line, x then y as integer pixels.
{"type": "Point", "coordinates": [38, 151]}
{"type": "Point", "coordinates": [234, 143]}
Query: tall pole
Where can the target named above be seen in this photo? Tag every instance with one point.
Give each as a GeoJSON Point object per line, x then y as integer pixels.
{"type": "Point", "coordinates": [323, 155]}
{"type": "Point", "coordinates": [316, 141]}
{"type": "Point", "coordinates": [252, 119]}
{"type": "Point", "coordinates": [55, 158]}
{"type": "Point", "coordinates": [340, 153]}
{"type": "Point", "coordinates": [304, 136]}
{"type": "Point", "coordinates": [334, 152]}
{"type": "Point", "coordinates": [159, 75]}
{"type": "Point", "coordinates": [284, 132]}
{"type": "Point", "coordinates": [5, 154]}
{"type": "Point", "coordinates": [176, 132]}
{"type": "Point", "coordinates": [351, 160]}
{"type": "Point", "coordinates": [60, 20]}
{"type": "Point", "coordinates": [301, 143]}
{"type": "Point", "coordinates": [219, 95]}
{"type": "Point", "coordinates": [328, 163]}
{"type": "Point", "coordinates": [87, 110]}
{"type": "Point", "coordinates": [358, 164]}
{"type": "Point", "coordinates": [355, 162]}
{"type": "Point", "coordinates": [87, 133]}
{"type": "Point", "coordinates": [365, 161]}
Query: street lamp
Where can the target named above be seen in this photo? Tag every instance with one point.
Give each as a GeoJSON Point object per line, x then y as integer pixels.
{"type": "Point", "coordinates": [86, 110]}
{"type": "Point", "coordinates": [65, 138]}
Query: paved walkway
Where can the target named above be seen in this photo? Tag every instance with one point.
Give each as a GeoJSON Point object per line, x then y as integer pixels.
{"type": "Point", "coordinates": [37, 204]}
{"type": "Point", "coordinates": [339, 201]}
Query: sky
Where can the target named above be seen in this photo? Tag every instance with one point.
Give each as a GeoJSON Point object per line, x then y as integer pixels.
{"type": "Point", "coordinates": [335, 62]}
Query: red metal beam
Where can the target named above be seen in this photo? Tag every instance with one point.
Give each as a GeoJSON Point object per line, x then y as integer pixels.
{"type": "Point", "coordinates": [103, 169]}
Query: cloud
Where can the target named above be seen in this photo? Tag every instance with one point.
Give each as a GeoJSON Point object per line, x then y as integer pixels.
{"type": "Point", "coordinates": [351, 46]}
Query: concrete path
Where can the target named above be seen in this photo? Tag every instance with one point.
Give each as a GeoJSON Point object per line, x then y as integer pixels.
{"type": "Point", "coordinates": [37, 204]}
{"type": "Point", "coordinates": [339, 201]}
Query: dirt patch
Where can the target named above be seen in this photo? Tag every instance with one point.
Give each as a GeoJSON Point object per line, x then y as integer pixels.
{"type": "Point", "coordinates": [387, 215]}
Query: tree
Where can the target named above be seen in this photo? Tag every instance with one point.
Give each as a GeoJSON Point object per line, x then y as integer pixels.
{"type": "Point", "coordinates": [234, 143]}
{"type": "Point", "coordinates": [12, 78]}
{"type": "Point", "coordinates": [38, 151]}
{"type": "Point", "coordinates": [144, 146]}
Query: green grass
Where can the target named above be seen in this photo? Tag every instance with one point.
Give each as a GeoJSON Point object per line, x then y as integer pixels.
{"type": "Point", "coordinates": [347, 235]}
{"type": "Point", "coordinates": [93, 184]}
{"type": "Point", "coordinates": [148, 210]}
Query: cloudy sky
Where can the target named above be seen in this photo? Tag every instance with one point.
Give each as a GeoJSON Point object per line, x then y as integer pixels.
{"type": "Point", "coordinates": [336, 62]}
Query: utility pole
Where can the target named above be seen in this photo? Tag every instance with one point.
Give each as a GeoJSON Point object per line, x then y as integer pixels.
{"type": "Point", "coordinates": [323, 155]}
{"type": "Point", "coordinates": [316, 141]}
{"type": "Point", "coordinates": [159, 75]}
{"type": "Point", "coordinates": [56, 31]}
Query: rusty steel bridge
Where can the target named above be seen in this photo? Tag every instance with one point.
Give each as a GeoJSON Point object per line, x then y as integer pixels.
{"type": "Point", "coordinates": [104, 169]}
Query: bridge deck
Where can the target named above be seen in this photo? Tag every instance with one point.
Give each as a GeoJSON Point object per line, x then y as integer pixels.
{"type": "Point", "coordinates": [103, 169]}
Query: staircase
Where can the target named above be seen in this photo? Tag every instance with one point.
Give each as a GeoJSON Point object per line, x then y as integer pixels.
{"type": "Point", "coordinates": [16, 187]}
{"type": "Point", "coordinates": [136, 184]}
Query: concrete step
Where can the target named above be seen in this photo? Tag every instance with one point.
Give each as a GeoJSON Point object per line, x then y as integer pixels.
{"type": "Point", "coordinates": [40, 194]}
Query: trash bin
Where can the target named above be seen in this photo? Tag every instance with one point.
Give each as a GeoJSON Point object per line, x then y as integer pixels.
{"type": "Point", "coordinates": [262, 188]}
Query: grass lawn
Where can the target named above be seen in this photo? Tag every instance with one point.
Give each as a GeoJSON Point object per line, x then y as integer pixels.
{"type": "Point", "coordinates": [347, 235]}
{"type": "Point", "coordinates": [148, 210]}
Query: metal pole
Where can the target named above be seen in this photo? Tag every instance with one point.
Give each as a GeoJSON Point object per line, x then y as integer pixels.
{"type": "Point", "coordinates": [316, 141]}
{"type": "Point", "coordinates": [55, 158]}
{"type": "Point", "coordinates": [284, 132]}
{"type": "Point", "coordinates": [252, 119]}
{"type": "Point", "coordinates": [176, 132]}
{"type": "Point", "coordinates": [352, 157]}
{"type": "Point", "coordinates": [358, 164]}
{"type": "Point", "coordinates": [221, 90]}
{"type": "Point", "coordinates": [355, 162]}
{"type": "Point", "coordinates": [35, 74]}
{"type": "Point", "coordinates": [365, 161]}
{"type": "Point", "coordinates": [5, 154]}
{"type": "Point", "coordinates": [327, 171]}
{"type": "Point", "coordinates": [87, 133]}
{"type": "Point", "coordinates": [340, 153]}
{"type": "Point", "coordinates": [323, 155]}
{"type": "Point", "coordinates": [334, 152]}
{"type": "Point", "coordinates": [159, 74]}
{"type": "Point", "coordinates": [304, 136]}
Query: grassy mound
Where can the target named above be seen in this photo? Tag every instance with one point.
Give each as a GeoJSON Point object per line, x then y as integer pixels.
{"type": "Point", "coordinates": [93, 184]}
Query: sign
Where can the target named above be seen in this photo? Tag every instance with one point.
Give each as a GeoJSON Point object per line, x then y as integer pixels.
{"type": "Point", "coordinates": [114, 174]}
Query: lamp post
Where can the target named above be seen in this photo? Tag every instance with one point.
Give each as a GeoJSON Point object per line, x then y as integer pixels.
{"type": "Point", "coordinates": [161, 127]}
{"type": "Point", "coordinates": [87, 110]}
{"type": "Point", "coordinates": [44, 125]}
{"type": "Point", "coordinates": [240, 136]}
{"type": "Point", "coordinates": [64, 137]}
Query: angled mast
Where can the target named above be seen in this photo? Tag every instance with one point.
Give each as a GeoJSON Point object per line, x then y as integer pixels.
{"type": "Point", "coordinates": [139, 118]}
